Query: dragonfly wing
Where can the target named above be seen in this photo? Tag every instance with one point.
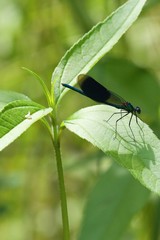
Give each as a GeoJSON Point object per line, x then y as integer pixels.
{"type": "Point", "coordinates": [99, 93]}
{"type": "Point", "coordinates": [115, 100]}
{"type": "Point", "coordinates": [93, 89]}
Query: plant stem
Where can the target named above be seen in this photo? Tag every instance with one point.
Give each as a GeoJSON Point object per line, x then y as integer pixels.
{"type": "Point", "coordinates": [66, 235]}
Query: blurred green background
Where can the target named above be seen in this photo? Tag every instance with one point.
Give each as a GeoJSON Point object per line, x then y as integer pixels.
{"type": "Point", "coordinates": [35, 34]}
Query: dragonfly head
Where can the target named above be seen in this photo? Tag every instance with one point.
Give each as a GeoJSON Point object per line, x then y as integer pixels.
{"type": "Point", "coordinates": [138, 110]}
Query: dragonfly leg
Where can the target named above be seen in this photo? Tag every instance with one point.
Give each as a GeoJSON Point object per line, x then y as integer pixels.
{"type": "Point", "coordinates": [114, 114]}
{"type": "Point", "coordinates": [139, 125]}
{"type": "Point", "coordinates": [122, 116]}
{"type": "Point", "coordinates": [119, 120]}
{"type": "Point", "coordinates": [138, 122]}
{"type": "Point", "coordinates": [130, 126]}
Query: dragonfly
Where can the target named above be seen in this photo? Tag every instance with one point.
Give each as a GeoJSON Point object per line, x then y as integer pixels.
{"type": "Point", "coordinates": [92, 89]}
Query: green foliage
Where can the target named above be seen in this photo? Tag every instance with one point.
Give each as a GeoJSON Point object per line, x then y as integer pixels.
{"type": "Point", "coordinates": [9, 96]}
{"type": "Point", "coordinates": [117, 197]}
{"type": "Point", "coordinates": [105, 207]}
{"type": "Point", "coordinates": [140, 155]}
{"type": "Point", "coordinates": [94, 45]}
{"type": "Point", "coordinates": [16, 117]}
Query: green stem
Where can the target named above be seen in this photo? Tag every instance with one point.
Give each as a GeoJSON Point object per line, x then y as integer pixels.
{"type": "Point", "coordinates": [66, 235]}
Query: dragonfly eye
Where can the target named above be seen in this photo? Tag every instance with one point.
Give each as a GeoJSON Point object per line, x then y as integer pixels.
{"type": "Point", "coordinates": [138, 110]}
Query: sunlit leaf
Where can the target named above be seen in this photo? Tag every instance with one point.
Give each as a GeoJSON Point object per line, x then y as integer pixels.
{"type": "Point", "coordinates": [139, 153]}
{"type": "Point", "coordinates": [17, 117]}
{"type": "Point", "coordinates": [94, 45]}
{"type": "Point", "coordinates": [10, 96]}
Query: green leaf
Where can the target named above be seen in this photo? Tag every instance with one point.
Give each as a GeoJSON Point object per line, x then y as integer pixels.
{"type": "Point", "coordinates": [115, 199]}
{"type": "Point", "coordinates": [40, 80]}
{"type": "Point", "coordinates": [10, 96]}
{"type": "Point", "coordinates": [141, 156]}
{"type": "Point", "coordinates": [17, 117]}
{"type": "Point", "coordinates": [94, 45]}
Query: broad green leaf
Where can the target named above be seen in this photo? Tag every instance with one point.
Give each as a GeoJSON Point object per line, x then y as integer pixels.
{"type": "Point", "coordinates": [115, 199]}
{"type": "Point", "coordinates": [141, 156]}
{"type": "Point", "coordinates": [10, 96]}
{"type": "Point", "coordinates": [94, 45]}
{"type": "Point", "coordinates": [17, 117]}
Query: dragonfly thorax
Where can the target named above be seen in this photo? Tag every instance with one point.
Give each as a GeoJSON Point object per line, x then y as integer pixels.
{"type": "Point", "coordinates": [130, 109]}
